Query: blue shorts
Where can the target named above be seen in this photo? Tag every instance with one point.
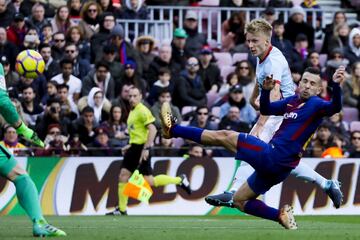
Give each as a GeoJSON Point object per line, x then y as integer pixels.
{"type": "Point", "coordinates": [261, 157]}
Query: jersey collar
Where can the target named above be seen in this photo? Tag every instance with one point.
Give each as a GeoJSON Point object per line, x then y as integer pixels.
{"type": "Point", "coordinates": [266, 55]}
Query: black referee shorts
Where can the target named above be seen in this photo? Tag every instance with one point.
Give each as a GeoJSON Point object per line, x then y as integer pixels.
{"type": "Point", "coordinates": [132, 159]}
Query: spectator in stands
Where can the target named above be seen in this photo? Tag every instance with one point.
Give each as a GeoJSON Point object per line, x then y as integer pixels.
{"type": "Point", "coordinates": [100, 78]}
{"type": "Point", "coordinates": [81, 67]}
{"type": "Point", "coordinates": [246, 76]}
{"type": "Point", "coordinates": [123, 100]}
{"type": "Point", "coordinates": [232, 121]}
{"type": "Point", "coordinates": [164, 96]}
{"type": "Point", "coordinates": [74, 83]}
{"type": "Point", "coordinates": [31, 40]}
{"type": "Point", "coordinates": [101, 146]}
{"type": "Point", "coordinates": [145, 46]}
{"type": "Point", "coordinates": [17, 30]}
{"type": "Point", "coordinates": [322, 141]}
{"type": "Point", "coordinates": [351, 87]}
{"type": "Point", "coordinates": [300, 51]}
{"type": "Point", "coordinates": [179, 53]}
{"type": "Point", "coordinates": [269, 15]}
{"type": "Point", "coordinates": [27, 7]}
{"type": "Point", "coordinates": [74, 9]}
{"type": "Point", "coordinates": [85, 126]}
{"type": "Point", "coordinates": [68, 107]}
{"type": "Point", "coordinates": [352, 52]}
{"type": "Point", "coordinates": [61, 22]}
{"type": "Point", "coordinates": [278, 40]}
{"type": "Point", "coordinates": [55, 142]}
{"type": "Point", "coordinates": [46, 35]}
{"type": "Point", "coordinates": [116, 126]}
{"type": "Point", "coordinates": [335, 59]}
{"type": "Point", "coordinates": [7, 48]}
{"type": "Point", "coordinates": [11, 141]}
{"type": "Point", "coordinates": [232, 31]}
{"type": "Point", "coordinates": [195, 40]}
{"type": "Point", "coordinates": [280, 3]}
{"type": "Point", "coordinates": [75, 35]}
{"type": "Point", "coordinates": [125, 49]}
{"type": "Point", "coordinates": [99, 39]}
{"type": "Point", "coordinates": [231, 80]}
{"type": "Point", "coordinates": [37, 18]}
{"type": "Point", "coordinates": [202, 119]}
{"type": "Point", "coordinates": [196, 150]}
{"type": "Point", "coordinates": [98, 102]}
{"type": "Point", "coordinates": [30, 104]}
{"type": "Point", "coordinates": [51, 92]}
{"type": "Point", "coordinates": [132, 77]}
{"type": "Point", "coordinates": [190, 87]}
{"type": "Point", "coordinates": [340, 38]}
{"type": "Point", "coordinates": [11, 77]}
{"type": "Point", "coordinates": [355, 145]}
{"type": "Point", "coordinates": [116, 69]}
{"type": "Point", "coordinates": [312, 4]}
{"type": "Point", "coordinates": [134, 10]}
{"type": "Point", "coordinates": [339, 18]}
{"type": "Point", "coordinates": [337, 125]}
{"type": "Point", "coordinates": [57, 50]}
{"type": "Point", "coordinates": [52, 116]}
{"type": "Point", "coordinates": [313, 60]}
{"type": "Point", "coordinates": [108, 6]}
{"type": "Point", "coordinates": [296, 21]}
{"type": "Point", "coordinates": [159, 85]}
{"type": "Point", "coordinates": [52, 67]}
{"type": "Point", "coordinates": [89, 23]}
{"type": "Point", "coordinates": [209, 72]}
{"type": "Point", "coordinates": [7, 12]}
{"type": "Point", "coordinates": [236, 98]}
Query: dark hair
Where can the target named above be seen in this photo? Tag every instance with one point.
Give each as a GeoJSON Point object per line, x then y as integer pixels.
{"type": "Point", "coordinates": [278, 22]}
{"type": "Point", "coordinates": [164, 90]}
{"type": "Point", "coordinates": [44, 45]}
{"type": "Point", "coordinates": [313, 70]}
{"type": "Point", "coordinates": [66, 61]}
{"type": "Point", "coordinates": [87, 109]}
{"type": "Point", "coordinates": [26, 87]}
{"type": "Point", "coordinates": [164, 70]}
{"type": "Point", "coordinates": [325, 125]}
{"type": "Point", "coordinates": [101, 64]}
{"type": "Point", "coordinates": [61, 86]}
{"type": "Point", "coordinates": [201, 107]}
{"type": "Point", "coordinates": [53, 100]}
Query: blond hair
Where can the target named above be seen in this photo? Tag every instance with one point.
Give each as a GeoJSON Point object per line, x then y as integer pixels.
{"type": "Point", "coordinates": [259, 25]}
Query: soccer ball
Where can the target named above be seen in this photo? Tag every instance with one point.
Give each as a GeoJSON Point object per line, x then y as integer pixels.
{"type": "Point", "coordinates": [29, 64]}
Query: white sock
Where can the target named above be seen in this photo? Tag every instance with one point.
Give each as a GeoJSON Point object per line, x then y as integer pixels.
{"type": "Point", "coordinates": [304, 172]}
{"type": "Point", "coordinates": [242, 173]}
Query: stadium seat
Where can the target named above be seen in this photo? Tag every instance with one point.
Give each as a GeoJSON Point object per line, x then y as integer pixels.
{"type": "Point", "coordinates": [211, 98]}
{"type": "Point", "coordinates": [355, 126]}
{"type": "Point", "coordinates": [223, 59]}
{"type": "Point", "coordinates": [211, 3]}
{"type": "Point", "coordinates": [350, 114]}
{"type": "Point", "coordinates": [187, 109]}
{"type": "Point", "coordinates": [239, 57]}
{"type": "Point", "coordinates": [322, 59]}
{"type": "Point", "coordinates": [225, 71]}
{"type": "Point", "coordinates": [318, 45]}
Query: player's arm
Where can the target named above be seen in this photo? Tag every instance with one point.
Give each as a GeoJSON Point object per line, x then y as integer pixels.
{"type": "Point", "coordinates": [267, 107]}
{"type": "Point", "coordinates": [335, 105]}
{"type": "Point", "coordinates": [254, 96]}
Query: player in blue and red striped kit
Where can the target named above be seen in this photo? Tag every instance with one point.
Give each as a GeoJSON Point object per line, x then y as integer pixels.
{"type": "Point", "coordinates": [272, 161]}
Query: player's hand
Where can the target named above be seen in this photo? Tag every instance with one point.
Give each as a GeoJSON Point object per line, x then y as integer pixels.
{"type": "Point", "coordinates": [339, 75]}
{"type": "Point", "coordinates": [269, 83]}
{"type": "Point", "coordinates": [124, 149]}
{"type": "Point", "coordinates": [144, 155]}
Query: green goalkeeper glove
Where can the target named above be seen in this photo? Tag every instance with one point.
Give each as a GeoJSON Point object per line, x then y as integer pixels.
{"type": "Point", "coordinates": [29, 135]}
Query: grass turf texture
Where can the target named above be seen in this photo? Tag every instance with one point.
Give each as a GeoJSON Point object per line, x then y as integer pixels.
{"type": "Point", "coordinates": [187, 227]}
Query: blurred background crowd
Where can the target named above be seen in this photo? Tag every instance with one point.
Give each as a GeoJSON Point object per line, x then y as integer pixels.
{"type": "Point", "coordinates": [95, 51]}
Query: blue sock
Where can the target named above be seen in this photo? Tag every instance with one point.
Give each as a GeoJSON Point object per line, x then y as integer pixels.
{"type": "Point", "coordinates": [258, 208]}
{"type": "Point", "coordinates": [191, 133]}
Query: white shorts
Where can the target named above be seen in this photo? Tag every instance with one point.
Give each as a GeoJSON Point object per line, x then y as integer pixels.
{"type": "Point", "coordinates": [271, 125]}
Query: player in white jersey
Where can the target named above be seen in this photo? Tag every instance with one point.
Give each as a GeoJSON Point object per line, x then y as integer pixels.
{"type": "Point", "coordinates": [271, 62]}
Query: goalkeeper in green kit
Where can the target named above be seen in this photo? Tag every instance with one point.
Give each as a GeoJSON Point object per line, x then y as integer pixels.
{"type": "Point", "coordinates": [26, 191]}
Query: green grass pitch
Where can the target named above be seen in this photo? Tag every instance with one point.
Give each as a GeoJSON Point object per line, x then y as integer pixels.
{"type": "Point", "coordinates": [187, 228]}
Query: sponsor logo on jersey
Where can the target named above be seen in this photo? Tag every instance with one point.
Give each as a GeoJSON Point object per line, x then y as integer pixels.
{"type": "Point", "coordinates": [292, 115]}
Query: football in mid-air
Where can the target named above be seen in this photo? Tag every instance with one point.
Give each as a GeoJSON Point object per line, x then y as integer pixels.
{"type": "Point", "coordinates": [29, 64]}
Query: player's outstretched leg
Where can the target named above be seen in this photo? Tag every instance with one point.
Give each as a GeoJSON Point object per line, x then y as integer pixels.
{"type": "Point", "coordinates": [330, 187]}
{"type": "Point", "coordinates": [224, 138]}
{"type": "Point", "coordinates": [224, 199]}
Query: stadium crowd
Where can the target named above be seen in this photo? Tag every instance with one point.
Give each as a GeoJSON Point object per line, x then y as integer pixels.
{"type": "Point", "coordinates": [79, 105]}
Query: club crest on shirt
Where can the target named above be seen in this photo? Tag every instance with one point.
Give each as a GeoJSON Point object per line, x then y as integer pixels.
{"type": "Point", "coordinates": [292, 115]}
